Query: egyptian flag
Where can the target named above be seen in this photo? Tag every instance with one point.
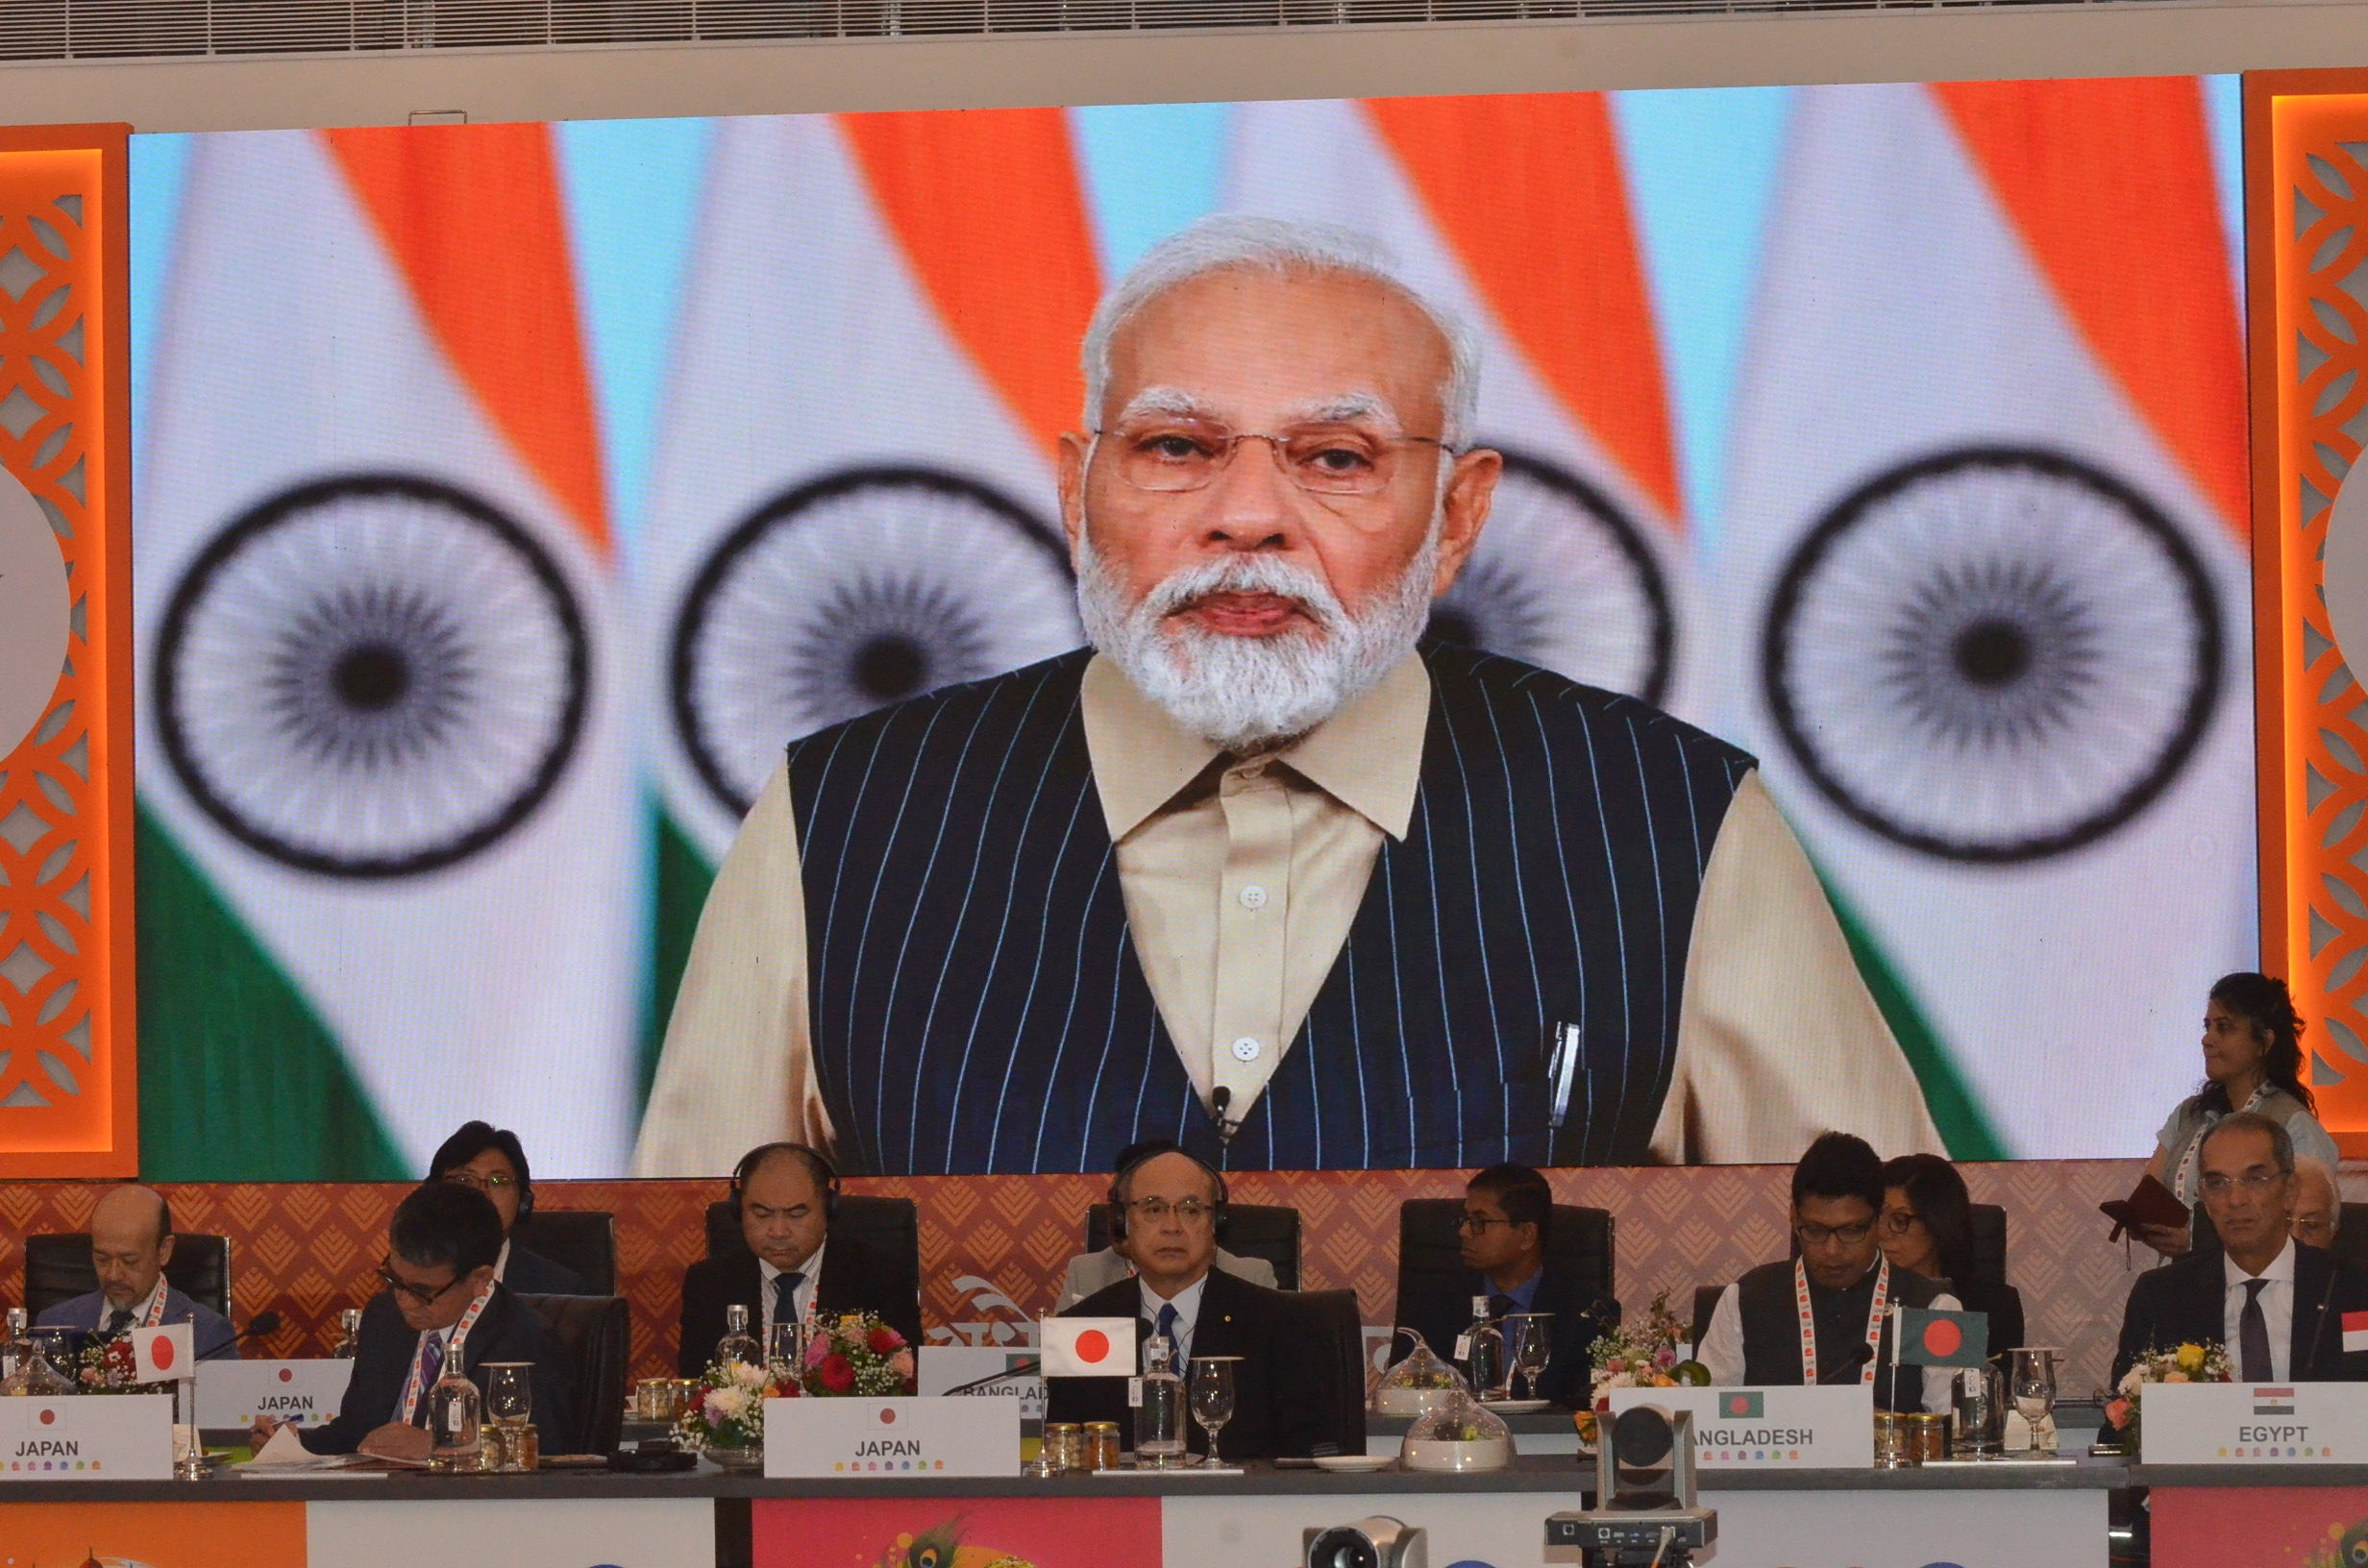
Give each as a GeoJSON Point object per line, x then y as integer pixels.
{"type": "Point", "coordinates": [388, 870]}
{"type": "Point", "coordinates": [1987, 536]}
{"type": "Point", "coordinates": [1512, 210]}
{"type": "Point", "coordinates": [852, 499]}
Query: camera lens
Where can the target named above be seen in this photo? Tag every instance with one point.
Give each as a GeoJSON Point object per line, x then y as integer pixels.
{"type": "Point", "coordinates": [1640, 1436]}
{"type": "Point", "coordinates": [1344, 1546]}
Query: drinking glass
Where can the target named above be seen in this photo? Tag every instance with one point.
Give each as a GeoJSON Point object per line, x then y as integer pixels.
{"type": "Point", "coordinates": [2031, 1382]}
{"type": "Point", "coordinates": [1529, 1344]}
{"type": "Point", "coordinates": [509, 1392]}
{"type": "Point", "coordinates": [786, 1354]}
{"type": "Point", "coordinates": [1212, 1396]}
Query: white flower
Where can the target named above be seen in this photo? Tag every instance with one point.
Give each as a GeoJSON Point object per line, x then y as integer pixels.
{"type": "Point", "coordinates": [726, 1403]}
{"type": "Point", "coordinates": [748, 1376]}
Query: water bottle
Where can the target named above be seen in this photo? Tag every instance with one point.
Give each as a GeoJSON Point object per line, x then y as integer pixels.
{"type": "Point", "coordinates": [456, 1416]}
{"type": "Point", "coordinates": [349, 1334]}
{"type": "Point", "coordinates": [738, 1346]}
{"type": "Point", "coordinates": [1159, 1424]}
{"type": "Point", "coordinates": [1481, 1351]}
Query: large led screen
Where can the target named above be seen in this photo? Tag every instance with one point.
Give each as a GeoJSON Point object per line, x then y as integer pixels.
{"type": "Point", "coordinates": [509, 497]}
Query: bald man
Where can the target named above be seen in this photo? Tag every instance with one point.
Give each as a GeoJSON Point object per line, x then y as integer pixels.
{"type": "Point", "coordinates": [2318, 1202]}
{"type": "Point", "coordinates": [131, 1238]}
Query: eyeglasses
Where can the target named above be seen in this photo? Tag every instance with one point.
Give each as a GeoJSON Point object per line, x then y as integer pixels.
{"type": "Point", "coordinates": [1167, 452]}
{"type": "Point", "coordinates": [2216, 1186]}
{"type": "Point", "coordinates": [1900, 1221]}
{"type": "Point", "coordinates": [496, 1182]}
{"type": "Point", "coordinates": [1151, 1210]}
{"type": "Point", "coordinates": [419, 1293]}
{"type": "Point", "coordinates": [1478, 1222]}
{"type": "Point", "coordinates": [1812, 1236]}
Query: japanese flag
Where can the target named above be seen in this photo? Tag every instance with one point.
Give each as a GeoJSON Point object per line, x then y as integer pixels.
{"type": "Point", "coordinates": [1088, 1347]}
{"type": "Point", "coordinates": [2355, 1333]}
{"type": "Point", "coordinates": [164, 1354]}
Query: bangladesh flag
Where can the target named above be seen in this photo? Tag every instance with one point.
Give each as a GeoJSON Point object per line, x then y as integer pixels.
{"type": "Point", "coordinates": [1742, 1404]}
{"type": "Point", "coordinates": [1932, 1337]}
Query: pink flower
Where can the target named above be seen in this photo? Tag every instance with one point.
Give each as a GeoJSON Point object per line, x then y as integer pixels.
{"type": "Point", "coordinates": [901, 1364]}
{"type": "Point", "coordinates": [816, 1349]}
{"type": "Point", "coordinates": [884, 1339]}
{"type": "Point", "coordinates": [2117, 1412]}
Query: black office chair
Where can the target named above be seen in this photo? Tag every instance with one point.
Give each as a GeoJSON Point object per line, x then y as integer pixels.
{"type": "Point", "coordinates": [584, 1240]}
{"type": "Point", "coordinates": [1334, 1317]}
{"type": "Point", "coordinates": [889, 1229]}
{"type": "Point", "coordinates": [2351, 1240]}
{"type": "Point", "coordinates": [1578, 1244]}
{"type": "Point", "coordinates": [1252, 1229]}
{"type": "Point", "coordinates": [57, 1269]}
{"type": "Point", "coordinates": [596, 1339]}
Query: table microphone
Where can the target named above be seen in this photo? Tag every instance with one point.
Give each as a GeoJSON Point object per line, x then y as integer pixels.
{"type": "Point", "coordinates": [262, 1325]}
{"type": "Point", "coordinates": [1219, 1099]}
{"type": "Point", "coordinates": [1026, 1369]}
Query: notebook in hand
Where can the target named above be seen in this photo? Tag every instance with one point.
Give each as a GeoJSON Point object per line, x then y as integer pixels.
{"type": "Point", "coordinates": [2149, 1202]}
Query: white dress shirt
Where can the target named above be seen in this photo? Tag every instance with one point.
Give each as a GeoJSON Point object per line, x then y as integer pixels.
{"type": "Point", "coordinates": [803, 1297]}
{"type": "Point", "coordinates": [500, 1261]}
{"type": "Point", "coordinates": [1722, 1350]}
{"type": "Point", "coordinates": [2277, 1310]}
{"type": "Point", "coordinates": [1187, 1305]}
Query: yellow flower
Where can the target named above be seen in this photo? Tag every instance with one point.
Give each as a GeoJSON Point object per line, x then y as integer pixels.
{"type": "Point", "coordinates": [2191, 1357]}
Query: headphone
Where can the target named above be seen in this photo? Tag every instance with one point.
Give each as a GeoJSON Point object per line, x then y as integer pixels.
{"type": "Point", "coordinates": [1143, 1156]}
{"type": "Point", "coordinates": [825, 1175]}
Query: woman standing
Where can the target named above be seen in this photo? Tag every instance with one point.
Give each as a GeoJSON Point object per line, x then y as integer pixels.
{"type": "Point", "coordinates": [2253, 1061]}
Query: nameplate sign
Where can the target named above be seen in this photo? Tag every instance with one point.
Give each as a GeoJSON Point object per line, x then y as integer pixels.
{"type": "Point", "coordinates": [233, 1393]}
{"type": "Point", "coordinates": [2240, 1423]}
{"type": "Point", "coordinates": [1771, 1428]}
{"type": "Point", "coordinates": [88, 1437]}
{"type": "Point", "coordinates": [866, 1438]}
{"type": "Point", "coordinates": [944, 1368]}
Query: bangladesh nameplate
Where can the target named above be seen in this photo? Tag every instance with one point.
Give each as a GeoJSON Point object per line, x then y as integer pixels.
{"type": "Point", "coordinates": [1771, 1428]}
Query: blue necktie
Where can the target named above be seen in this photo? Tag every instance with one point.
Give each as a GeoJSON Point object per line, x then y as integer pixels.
{"type": "Point", "coordinates": [430, 1368]}
{"type": "Point", "coordinates": [785, 1297]}
{"type": "Point", "coordinates": [1166, 1328]}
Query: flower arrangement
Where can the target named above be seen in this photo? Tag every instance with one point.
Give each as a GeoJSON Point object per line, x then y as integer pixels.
{"type": "Point", "coordinates": [1647, 1353]}
{"type": "Point", "coordinates": [2206, 1362]}
{"type": "Point", "coordinates": [857, 1356]}
{"type": "Point", "coordinates": [108, 1366]}
{"type": "Point", "coordinates": [726, 1407]}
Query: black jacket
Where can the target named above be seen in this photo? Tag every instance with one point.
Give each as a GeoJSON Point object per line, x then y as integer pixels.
{"type": "Point", "coordinates": [1284, 1401]}
{"type": "Point", "coordinates": [1441, 1309]}
{"type": "Point", "coordinates": [853, 1281]}
{"type": "Point", "coordinates": [508, 1330]}
{"type": "Point", "coordinates": [2185, 1301]}
{"type": "Point", "coordinates": [532, 1274]}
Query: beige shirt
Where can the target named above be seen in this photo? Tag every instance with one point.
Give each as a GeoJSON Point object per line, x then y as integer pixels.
{"type": "Point", "coordinates": [1241, 878]}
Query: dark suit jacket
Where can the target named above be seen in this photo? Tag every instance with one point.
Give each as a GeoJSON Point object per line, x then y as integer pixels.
{"type": "Point", "coordinates": [853, 1282]}
{"type": "Point", "coordinates": [1442, 1309]}
{"type": "Point", "coordinates": [532, 1274]}
{"type": "Point", "coordinates": [506, 1331]}
{"type": "Point", "coordinates": [2186, 1300]}
{"type": "Point", "coordinates": [1283, 1398]}
{"type": "Point", "coordinates": [211, 1336]}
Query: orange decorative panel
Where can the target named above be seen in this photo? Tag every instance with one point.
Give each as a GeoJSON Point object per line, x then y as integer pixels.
{"type": "Point", "coordinates": [68, 1082]}
{"type": "Point", "coordinates": [993, 1248]}
{"type": "Point", "coordinates": [2306, 221]}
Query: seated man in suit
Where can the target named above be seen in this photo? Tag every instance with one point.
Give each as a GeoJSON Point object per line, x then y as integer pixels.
{"type": "Point", "coordinates": [1092, 1271]}
{"type": "Point", "coordinates": [1506, 1212]}
{"type": "Point", "coordinates": [793, 1267]}
{"type": "Point", "coordinates": [131, 1241]}
{"type": "Point", "coordinates": [2275, 1303]}
{"type": "Point", "coordinates": [441, 1301]}
{"type": "Point", "coordinates": [1824, 1316]}
{"type": "Point", "coordinates": [491, 1160]}
{"type": "Point", "coordinates": [1168, 1204]}
{"type": "Point", "coordinates": [2318, 1203]}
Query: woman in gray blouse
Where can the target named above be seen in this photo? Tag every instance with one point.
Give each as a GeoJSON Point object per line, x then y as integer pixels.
{"type": "Point", "coordinates": [2253, 1061]}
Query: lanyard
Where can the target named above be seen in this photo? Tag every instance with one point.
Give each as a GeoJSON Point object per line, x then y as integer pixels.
{"type": "Point", "coordinates": [156, 1308]}
{"type": "Point", "coordinates": [412, 1391]}
{"type": "Point", "coordinates": [1809, 1323]}
{"type": "Point", "coordinates": [2195, 1149]}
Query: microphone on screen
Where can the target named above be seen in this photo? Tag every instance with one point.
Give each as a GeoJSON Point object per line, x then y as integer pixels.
{"type": "Point", "coordinates": [262, 1325]}
{"type": "Point", "coordinates": [1220, 1098]}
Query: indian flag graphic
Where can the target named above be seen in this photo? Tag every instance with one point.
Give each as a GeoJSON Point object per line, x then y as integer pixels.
{"type": "Point", "coordinates": [853, 499]}
{"type": "Point", "coordinates": [1512, 210]}
{"type": "Point", "coordinates": [387, 875]}
{"type": "Point", "coordinates": [1987, 517]}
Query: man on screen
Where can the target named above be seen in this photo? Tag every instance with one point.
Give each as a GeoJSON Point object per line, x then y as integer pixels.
{"type": "Point", "coordinates": [1256, 872]}
{"type": "Point", "coordinates": [131, 1241]}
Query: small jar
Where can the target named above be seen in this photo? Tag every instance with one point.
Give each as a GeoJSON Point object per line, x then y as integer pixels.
{"type": "Point", "coordinates": [1102, 1445]}
{"type": "Point", "coordinates": [1064, 1448]}
{"type": "Point", "coordinates": [1931, 1437]}
{"type": "Point", "coordinates": [522, 1447]}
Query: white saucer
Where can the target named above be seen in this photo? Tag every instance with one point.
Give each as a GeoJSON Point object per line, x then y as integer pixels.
{"type": "Point", "coordinates": [1354, 1463]}
{"type": "Point", "coordinates": [1516, 1406]}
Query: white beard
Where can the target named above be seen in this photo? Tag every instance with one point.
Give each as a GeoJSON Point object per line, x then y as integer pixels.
{"type": "Point", "coordinates": [1250, 694]}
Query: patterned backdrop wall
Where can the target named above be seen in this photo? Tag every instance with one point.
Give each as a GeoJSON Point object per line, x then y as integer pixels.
{"type": "Point", "coordinates": [992, 1247]}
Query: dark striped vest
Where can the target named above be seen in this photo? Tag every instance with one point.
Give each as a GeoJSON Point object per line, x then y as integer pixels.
{"type": "Point", "coordinates": [977, 1004]}
{"type": "Point", "coordinates": [1771, 1321]}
